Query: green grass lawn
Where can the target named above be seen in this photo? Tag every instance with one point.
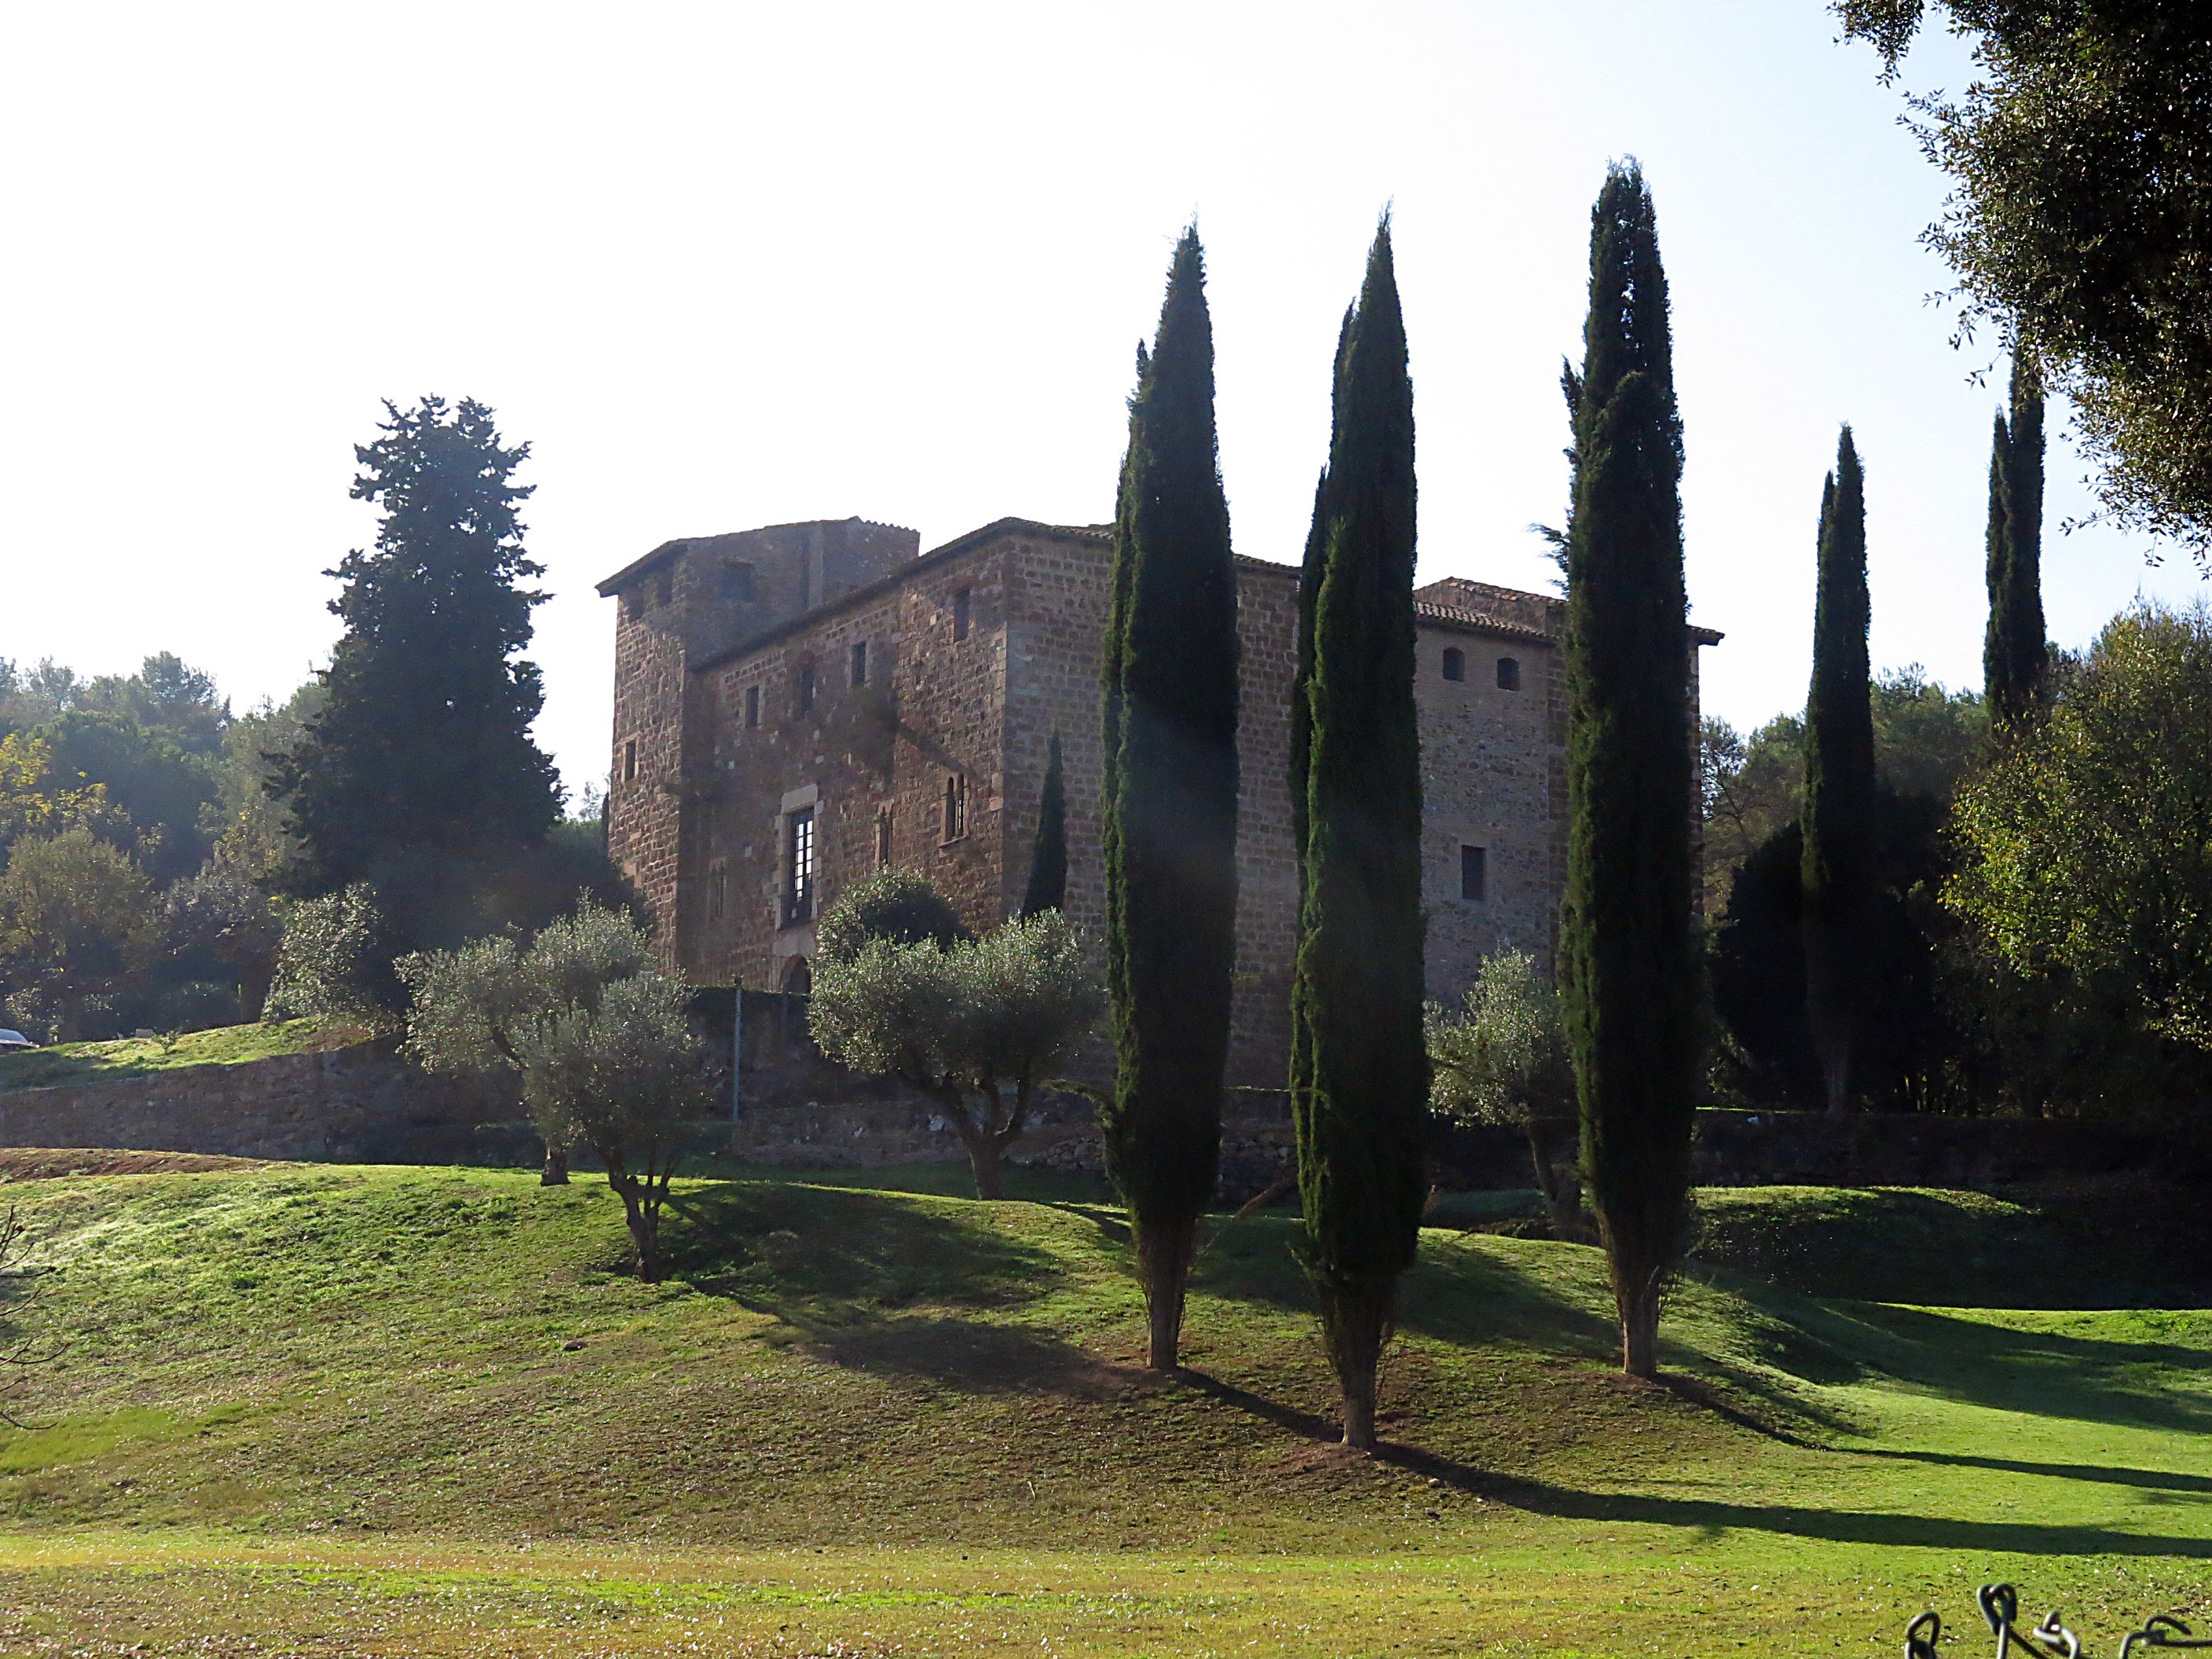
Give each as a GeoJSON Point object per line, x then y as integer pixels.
{"type": "Point", "coordinates": [225, 1045]}
{"type": "Point", "coordinates": [384, 1411]}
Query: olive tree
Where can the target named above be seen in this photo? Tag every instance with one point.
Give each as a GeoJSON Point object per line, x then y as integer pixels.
{"type": "Point", "coordinates": [76, 922]}
{"type": "Point", "coordinates": [1502, 1059]}
{"type": "Point", "coordinates": [978, 1026]}
{"type": "Point", "coordinates": [595, 1044]}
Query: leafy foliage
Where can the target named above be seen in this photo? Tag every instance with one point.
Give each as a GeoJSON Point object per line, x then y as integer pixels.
{"type": "Point", "coordinates": [979, 1025]}
{"type": "Point", "coordinates": [1838, 822]}
{"type": "Point", "coordinates": [332, 961]}
{"type": "Point", "coordinates": [74, 923]}
{"type": "Point", "coordinates": [1359, 1071]}
{"type": "Point", "coordinates": [596, 1043]}
{"type": "Point", "coordinates": [418, 773]}
{"type": "Point", "coordinates": [2082, 219]}
{"type": "Point", "coordinates": [1502, 1059]}
{"type": "Point", "coordinates": [1169, 840]}
{"type": "Point", "coordinates": [2015, 653]}
{"type": "Point", "coordinates": [892, 904]}
{"type": "Point", "coordinates": [2089, 844]}
{"type": "Point", "coordinates": [1048, 885]}
{"type": "Point", "coordinates": [1628, 966]}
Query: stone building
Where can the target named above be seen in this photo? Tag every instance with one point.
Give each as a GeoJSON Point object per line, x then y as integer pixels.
{"type": "Point", "coordinates": [797, 705]}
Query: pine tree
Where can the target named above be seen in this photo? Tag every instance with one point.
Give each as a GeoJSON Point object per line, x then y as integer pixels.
{"type": "Point", "coordinates": [1628, 965]}
{"type": "Point", "coordinates": [1170, 800]}
{"type": "Point", "coordinates": [1360, 1068]}
{"type": "Point", "coordinates": [1048, 888]}
{"type": "Point", "coordinates": [2015, 653]}
{"type": "Point", "coordinates": [420, 767]}
{"type": "Point", "coordinates": [1839, 781]}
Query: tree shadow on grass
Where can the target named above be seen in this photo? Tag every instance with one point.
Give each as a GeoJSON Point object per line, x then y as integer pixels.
{"type": "Point", "coordinates": [2105, 1475]}
{"type": "Point", "coordinates": [1711, 1519]}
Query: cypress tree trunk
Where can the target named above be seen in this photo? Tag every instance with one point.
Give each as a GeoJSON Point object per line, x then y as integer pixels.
{"type": "Point", "coordinates": [1170, 843]}
{"type": "Point", "coordinates": [2014, 653]}
{"type": "Point", "coordinates": [1837, 871]}
{"type": "Point", "coordinates": [1628, 966]}
{"type": "Point", "coordinates": [1048, 888]}
{"type": "Point", "coordinates": [1359, 1076]}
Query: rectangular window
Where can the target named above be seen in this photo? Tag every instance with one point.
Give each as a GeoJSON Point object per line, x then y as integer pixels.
{"type": "Point", "coordinates": [960, 615]}
{"type": "Point", "coordinates": [736, 584]}
{"type": "Point", "coordinates": [860, 662]}
{"type": "Point", "coordinates": [718, 892]}
{"type": "Point", "coordinates": [883, 840]}
{"type": "Point", "coordinates": [806, 689]}
{"type": "Point", "coordinates": [1472, 876]}
{"type": "Point", "coordinates": [956, 806]}
{"type": "Point", "coordinates": [752, 706]}
{"type": "Point", "coordinates": [1508, 674]}
{"type": "Point", "coordinates": [629, 761]}
{"type": "Point", "coordinates": [798, 862]}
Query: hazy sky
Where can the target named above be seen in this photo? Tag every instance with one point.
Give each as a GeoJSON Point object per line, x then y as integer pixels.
{"type": "Point", "coordinates": [733, 265]}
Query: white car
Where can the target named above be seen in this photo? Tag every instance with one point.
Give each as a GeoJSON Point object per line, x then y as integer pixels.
{"type": "Point", "coordinates": [13, 1043]}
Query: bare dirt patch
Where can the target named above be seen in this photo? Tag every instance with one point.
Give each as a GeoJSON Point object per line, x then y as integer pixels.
{"type": "Point", "coordinates": [49, 1162]}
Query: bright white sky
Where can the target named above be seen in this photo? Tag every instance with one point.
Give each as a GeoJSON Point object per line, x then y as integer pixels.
{"type": "Point", "coordinates": [739, 264]}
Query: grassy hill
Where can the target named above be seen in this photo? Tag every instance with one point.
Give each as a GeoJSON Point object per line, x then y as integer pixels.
{"type": "Point", "coordinates": [128, 1057]}
{"type": "Point", "coordinates": [383, 1410]}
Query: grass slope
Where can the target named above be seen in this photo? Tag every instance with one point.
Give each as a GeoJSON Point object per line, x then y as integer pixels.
{"type": "Point", "coordinates": [403, 1410]}
{"type": "Point", "coordinates": [126, 1057]}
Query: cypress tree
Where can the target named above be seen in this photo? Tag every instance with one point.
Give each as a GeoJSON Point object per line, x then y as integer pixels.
{"type": "Point", "coordinates": [1628, 964]}
{"type": "Point", "coordinates": [2015, 653]}
{"type": "Point", "coordinates": [1360, 1069]}
{"type": "Point", "coordinates": [1170, 840]}
{"type": "Point", "coordinates": [1048, 889]}
{"type": "Point", "coordinates": [420, 768]}
{"type": "Point", "coordinates": [1838, 870]}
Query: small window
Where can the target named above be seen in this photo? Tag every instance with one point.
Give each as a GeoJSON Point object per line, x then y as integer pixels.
{"type": "Point", "coordinates": [629, 761]}
{"type": "Point", "coordinates": [633, 601]}
{"type": "Point", "coordinates": [718, 892]}
{"type": "Point", "coordinates": [804, 694]}
{"type": "Point", "coordinates": [799, 978]}
{"type": "Point", "coordinates": [1455, 665]}
{"type": "Point", "coordinates": [1508, 674]}
{"type": "Point", "coordinates": [883, 840]}
{"type": "Point", "coordinates": [960, 614]}
{"type": "Point", "coordinates": [860, 662]}
{"type": "Point", "coordinates": [736, 584]}
{"type": "Point", "coordinates": [798, 865]}
{"type": "Point", "coordinates": [663, 585]}
{"type": "Point", "coordinates": [1472, 876]}
{"type": "Point", "coordinates": [752, 706]}
{"type": "Point", "coordinates": [956, 806]}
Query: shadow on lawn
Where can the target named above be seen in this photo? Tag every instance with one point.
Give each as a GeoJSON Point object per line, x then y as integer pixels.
{"type": "Point", "coordinates": [2147, 1479]}
{"type": "Point", "coordinates": [1712, 1519]}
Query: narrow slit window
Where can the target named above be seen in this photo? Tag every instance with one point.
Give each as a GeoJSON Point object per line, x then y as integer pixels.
{"type": "Point", "coordinates": [804, 694]}
{"type": "Point", "coordinates": [718, 892]}
{"type": "Point", "coordinates": [860, 662]}
{"type": "Point", "coordinates": [1508, 674]}
{"type": "Point", "coordinates": [1474, 875]}
{"type": "Point", "coordinates": [798, 862]}
{"type": "Point", "coordinates": [752, 706]}
{"type": "Point", "coordinates": [629, 761]}
{"type": "Point", "coordinates": [1455, 665]}
{"type": "Point", "coordinates": [883, 840]}
{"type": "Point", "coordinates": [956, 806]}
{"type": "Point", "coordinates": [960, 613]}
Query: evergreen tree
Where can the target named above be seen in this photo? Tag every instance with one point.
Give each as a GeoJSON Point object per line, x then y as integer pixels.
{"type": "Point", "coordinates": [418, 775]}
{"type": "Point", "coordinates": [1048, 889]}
{"type": "Point", "coordinates": [1360, 1068]}
{"type": "Point", "coordinates": [1170, 800]}
{"type": "Point", "coordinates": [2015, 651]}
{"type": "Point", "coordinates": [1628, 964]}
{"type": "Point", "coordinates": [1838, 870]}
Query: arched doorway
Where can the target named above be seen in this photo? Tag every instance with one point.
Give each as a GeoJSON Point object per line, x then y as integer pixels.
{"type": "Point", "coordinates": [798, 978]}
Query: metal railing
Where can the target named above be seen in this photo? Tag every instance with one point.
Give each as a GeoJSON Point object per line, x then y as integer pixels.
{"type": "Point", "coordinates": [2050, 1639]}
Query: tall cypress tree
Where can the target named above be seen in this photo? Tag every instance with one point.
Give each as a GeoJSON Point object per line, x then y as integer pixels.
{"type": "Point", "coordinates": [1628, 966]}
{"type": "Point", "coordinates": [1170, 800]}
{"type": "Point", "coordinates": [2014, 653]}
{"type": "Point", "coordinates": [1359, 1070]}
{"type": "Point", "coordinates": [1839, 810]}
{"type": "Point", "coordinates": [1048, 888]}
{"type": "Point", "coordinates": [421, 763]}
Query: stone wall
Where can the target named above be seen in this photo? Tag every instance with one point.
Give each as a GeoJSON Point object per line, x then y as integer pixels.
{"type": "Point", "coordinates": [356, 1105]}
